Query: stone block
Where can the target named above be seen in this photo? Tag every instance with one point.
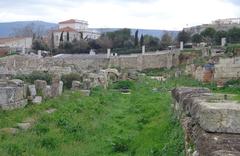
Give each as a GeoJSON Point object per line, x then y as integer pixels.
{"type": "Point", "coordinates": [11, 97]}
{"type": "Point", "coordinates": [76, 85]}
{"type": "Point", "coordinates": [47, 92]}
{"type": "Point", "coordinates": [222, 117]}
{"type": "Point", "coordinates": [86, 84]}
{"type": "Point", "coordinates": [85, 92]}
{"type": "Point", "coordinates": [9, 130]}
{"type": "Point", "coordinates": [40, 86]}
{"type": "Point", "coordinates": [15, 83]}
{"type": "Point", "coordinates": [37, 100]}
{"type": "Point", "coordinates": [24, 126]}
{"type": "Point", "coordinates": [32, 90]}
{"type": "Point", "coordinates": [56, 88]}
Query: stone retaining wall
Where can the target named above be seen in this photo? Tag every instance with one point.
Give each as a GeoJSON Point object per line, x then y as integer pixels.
{"type": "Point", "coordinates": [75, 63]}
{"type": "Point", "coordinates": [226, 69]}
{"type": "Point", "coordinates": [211, 124]}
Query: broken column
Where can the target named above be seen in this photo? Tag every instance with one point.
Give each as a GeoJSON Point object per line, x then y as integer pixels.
{"type": "Point", "coordinates": [108, 53]}
{"type": "Point", "coordinates": [57, 85]}
{"type": "Point", "coordinates": [143, 49]}
{"type": "Point", "coordinates": [181, 45]}
{"type": "Point", "coordinates": [223, 42]}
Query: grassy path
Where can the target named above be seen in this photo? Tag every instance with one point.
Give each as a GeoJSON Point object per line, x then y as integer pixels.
{"type": "Point", "coordinates": [107, 123]}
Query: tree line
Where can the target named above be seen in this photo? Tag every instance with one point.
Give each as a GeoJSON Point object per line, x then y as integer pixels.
{"type": "Point", "coordinates": [211, 36]}
{"type": "Point", "coordinates": [119, 40]}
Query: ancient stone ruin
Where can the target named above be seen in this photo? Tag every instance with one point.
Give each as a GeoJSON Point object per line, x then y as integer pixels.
{"type": "Point", "coordinates": [221, 71]}
{"type": "Point", "coordinates": [211, 122]}
{"type": "Point", "coordinates": [12, 94]}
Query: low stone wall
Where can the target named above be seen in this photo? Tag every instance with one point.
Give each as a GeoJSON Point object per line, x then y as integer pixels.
{"type": "Point", "coordinates": [211, 124]}
{"type": "Point", "coordinates": [17, 64]}
{"type": "Point", "coordinates": [225, 69]}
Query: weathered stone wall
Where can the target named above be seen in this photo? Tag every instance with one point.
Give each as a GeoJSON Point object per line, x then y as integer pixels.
{"type": "Point", "coordinates": [225, 69]}
{"type": "Point", "coordinates": [210, 122]}
{"type": "Point", "coordinates": [75, 63]}
{"type": "Point", "coordinates": [12, 94]}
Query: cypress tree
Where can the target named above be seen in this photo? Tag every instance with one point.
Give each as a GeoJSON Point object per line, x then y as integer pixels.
{"type": "Point", "coordinates": [61, 37]}
{"type": "Point", "coordinates": [141, 40]}
{"type": "Point", "coordinates": [136, 39]}
{"type": "Point", "coordinates": [52, 41]}
{"type": "Point", "coordinates": [68, 36]}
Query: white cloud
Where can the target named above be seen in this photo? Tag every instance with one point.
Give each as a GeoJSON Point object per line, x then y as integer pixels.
{"type": "Point", "coordinates": [157, 14]}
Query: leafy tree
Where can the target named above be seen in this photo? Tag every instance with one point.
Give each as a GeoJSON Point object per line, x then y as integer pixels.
{"type": "Point", "coordinates": [141, 40]}
{"type": "Point", "coordinates": [183, 36]}
{"type": "Point", "coordinates": [119, 37]}
{"type": "Point", "coordinates": [197, 38]}
{"type": "Point", "coordinates": [234, 35]}
{"type": "Point", "coordinates": [151, 41]}
{"type": "Point", "coordinates": [219, 35]}
{"type": "Point", "coordinates": [80, 46]}
{"type": "Point", "coordinates": [128, 44]}
{"type": "Point", "coordinates": [208, 35]}
{"type": "Point", "coordinates": [93, 44]}
{"type": "Point", "coordinates": [104, 42]}
{"type": "Point", "coordinates": [136, 39]}
{"type": "Point", "coordinates": [39, 45]}
{"type": "Point", "coordinates": [166, 40]}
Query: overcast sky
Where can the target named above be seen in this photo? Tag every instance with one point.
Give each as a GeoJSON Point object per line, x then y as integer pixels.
{"type": "Point", "coordinates": [147, 14]}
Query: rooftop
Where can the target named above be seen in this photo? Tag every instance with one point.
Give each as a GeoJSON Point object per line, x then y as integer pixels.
{"type": "Point", "coordinates": [66, 29]}
{"type": "Point", "coordinates": [73, 21]}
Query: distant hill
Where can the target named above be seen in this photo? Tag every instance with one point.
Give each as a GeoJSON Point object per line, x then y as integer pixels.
{"type": "Point", "coordinates": [7, 29]}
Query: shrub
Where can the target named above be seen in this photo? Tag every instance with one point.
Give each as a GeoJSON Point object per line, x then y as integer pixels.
{"type": "Point", "coordinates": [156, 71]}
{"type": "Point", "coordinates": [14, 150]}
{"type": "Point", "coordinates": [49, 142]}
{"type": "Point", "coordinates": [68, 78]}
{"type": "Point", "coordinates": [35, 75]}
{"type": "Point", "coordinates": [41, 129]}
{"type": "Point", "coordinates": [120, 144]}
{"type": "Point", "coordinates": [123, 85]}
{"type": "Point", "coordinates": [234, 82]}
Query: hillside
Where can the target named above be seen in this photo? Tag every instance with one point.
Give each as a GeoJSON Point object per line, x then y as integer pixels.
{"type": "Point", "coordinates": [7, 29]}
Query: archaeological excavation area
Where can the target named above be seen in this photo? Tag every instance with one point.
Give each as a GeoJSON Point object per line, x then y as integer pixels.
{"type": "Point", "coordinates": [171, 103]}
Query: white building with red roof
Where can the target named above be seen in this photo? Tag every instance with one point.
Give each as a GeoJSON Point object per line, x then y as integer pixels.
{"type": "Point", "coordinates": [73, 29]}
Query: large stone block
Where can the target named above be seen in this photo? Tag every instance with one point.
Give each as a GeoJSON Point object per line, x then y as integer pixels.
{"type": "Point", "coordinates": [223, 117]}
{"type": "Point", "coordinates": [56, 88]}
{"type": "Point", "coordinates": [76, 85]}
{"type": "Point", "coordinates": [40, 86]}
{"type": "Point", "coordinates": [32, 90]}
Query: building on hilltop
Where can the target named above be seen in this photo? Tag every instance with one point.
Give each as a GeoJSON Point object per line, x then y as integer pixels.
{"type": "Point", "coordinates": [220, 24]}
{"type": "Point", "coordinates": [73, 30]}
{"type": "Point", "coordinates": [226, 21]}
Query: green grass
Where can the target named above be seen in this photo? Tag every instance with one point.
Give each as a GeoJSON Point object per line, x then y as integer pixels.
{"type": "Point", "coordinates": [107, 123]}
